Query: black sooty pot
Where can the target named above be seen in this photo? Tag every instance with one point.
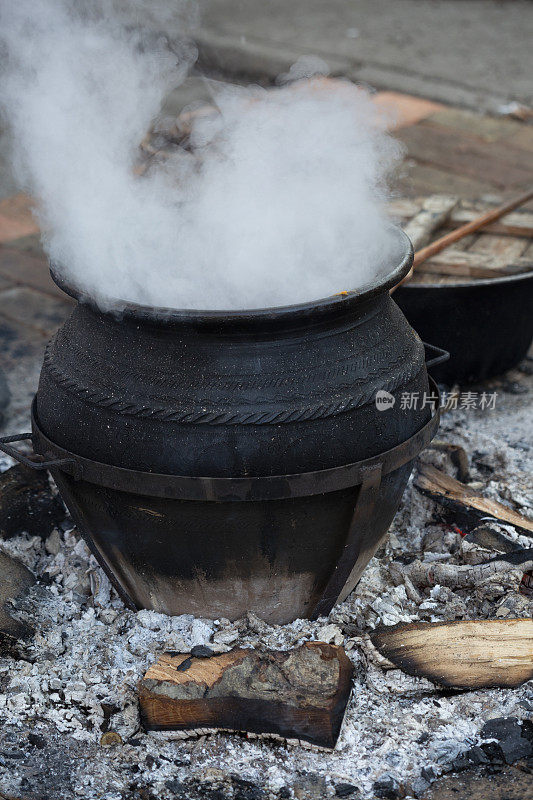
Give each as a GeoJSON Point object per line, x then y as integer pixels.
{"type": "Point", "coordinates": [225, 462]}
{"type": "Point", "coordinates": [486, 326]}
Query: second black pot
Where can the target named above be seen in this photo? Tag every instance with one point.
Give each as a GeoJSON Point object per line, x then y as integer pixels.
{"type": "Point", "coordinates": [485, 325]}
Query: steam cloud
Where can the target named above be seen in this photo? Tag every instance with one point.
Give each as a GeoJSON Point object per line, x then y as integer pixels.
{"type": "Point", "coordinates": [278, 198]}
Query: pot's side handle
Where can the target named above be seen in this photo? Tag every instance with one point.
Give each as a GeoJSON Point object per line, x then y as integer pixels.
{"type": "Point", "coordinates": [440, 355]}
{"type": "Point", "coordinates": [37, 462]}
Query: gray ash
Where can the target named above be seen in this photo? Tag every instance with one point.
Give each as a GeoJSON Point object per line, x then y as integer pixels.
{"type": "Point", "coordinates": [68, 708]}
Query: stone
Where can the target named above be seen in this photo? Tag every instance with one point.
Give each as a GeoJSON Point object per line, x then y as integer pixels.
{"type": "Point", "coordinates": [15, 579]}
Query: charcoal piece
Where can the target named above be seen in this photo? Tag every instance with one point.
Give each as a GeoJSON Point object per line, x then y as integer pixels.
{"type": "Point", "coordinates": [346, 790]}
{"type": "Point", "coordinates": [387, 788]}
{"type": "Point", "coordinates": [201, 651]}
{"type": "Point", "coordinates": [514, 737]}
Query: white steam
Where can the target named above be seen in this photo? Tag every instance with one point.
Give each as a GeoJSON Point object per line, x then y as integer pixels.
{"type": "Point", "coordinates": [277, 199]}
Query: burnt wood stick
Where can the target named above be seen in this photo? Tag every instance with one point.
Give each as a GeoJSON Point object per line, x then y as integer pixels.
{"type": "Point", "coordinates": [456, 496]}
{"type": "Point", "coordinates": [460, 576]}
{"type": "Point", "coordinates": [296, 694]}
{"type": "Point", "coordinates": [474, 654]}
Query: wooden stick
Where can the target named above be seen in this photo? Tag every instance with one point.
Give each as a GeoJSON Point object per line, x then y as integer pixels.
{"type": "Point", "coordinates": [470, 227]}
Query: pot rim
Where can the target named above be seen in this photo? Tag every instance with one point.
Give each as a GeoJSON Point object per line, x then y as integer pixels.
{"type": "Point", "coordinates": [337, 303]}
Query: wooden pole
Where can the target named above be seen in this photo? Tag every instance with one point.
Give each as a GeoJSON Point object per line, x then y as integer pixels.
{"type": "Point", "coordinates": [470, 227]}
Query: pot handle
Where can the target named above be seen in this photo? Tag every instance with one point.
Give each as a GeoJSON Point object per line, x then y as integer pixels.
{"type": "Point", "coordinates": [37, 462]}
{"type": "Point", "coordinates": [440, 355]}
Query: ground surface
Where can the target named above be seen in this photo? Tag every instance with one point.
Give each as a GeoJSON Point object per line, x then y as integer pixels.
{"type": "Point", "coordinates": [474, 52]}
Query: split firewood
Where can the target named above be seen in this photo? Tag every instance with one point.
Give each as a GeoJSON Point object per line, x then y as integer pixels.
{"type": "Point", "coordinates": [515, 223]}
{"type": "Point", "coordinates": [434, 212]}
{"type": "Point", "coordinates": [15, 579]}
{"type": "Point", "coordinates": [461, 576]}
{"type": "Point", "coordinates": [503, 248]}
{"type": "Point", "coordinates": [296, 694]}
{"type": "Point", "coordinates": [27, 503]}
{"type": "Point", "coordinates": [460, 498]}
{"type": "Point", "coordinates": [474, 654]}
{"type": "Point", "coordinates": [462, 263]}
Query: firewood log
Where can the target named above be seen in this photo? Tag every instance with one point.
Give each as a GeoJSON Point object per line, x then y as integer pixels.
{"type": "Point", "coordinates": [296, 694]}
{"type": "Point", "coordinates": [474, 654]}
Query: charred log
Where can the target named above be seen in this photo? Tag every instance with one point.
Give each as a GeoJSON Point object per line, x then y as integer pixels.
{"type": "Point", "coordinates": [297, 694]}
{"type": "Point", "coordinates": [475, 654]}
